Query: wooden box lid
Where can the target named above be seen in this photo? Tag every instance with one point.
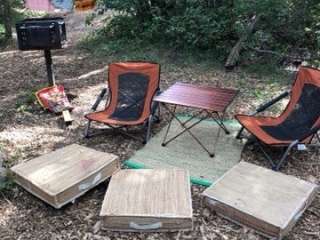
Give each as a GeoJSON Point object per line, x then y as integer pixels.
{"type": "Point", "coordinates": [61, 176]}
{"type": "Point", "coordinates": [148, 200]}
{"type": "Point", "coordinates": [267, 201]}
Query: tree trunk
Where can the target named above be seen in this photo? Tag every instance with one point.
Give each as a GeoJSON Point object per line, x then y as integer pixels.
{"type": "Point", "coordinates": [7, 17]}
{"type": "Point", "coordinates": [234, 55]}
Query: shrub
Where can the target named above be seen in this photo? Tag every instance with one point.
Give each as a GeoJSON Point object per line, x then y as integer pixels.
{"type": "Point", "coordinates": [283, 26]}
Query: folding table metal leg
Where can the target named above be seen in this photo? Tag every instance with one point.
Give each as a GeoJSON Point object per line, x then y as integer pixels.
{"type": "Point", "coordinates": [170, 121]}
{"type": "Point", "coordinates": [276, 166]}
{"type": "Point", "coordinates": [219, 120]}
{"type": "Point", "coordinates": [266, 155]}
{"type": "Point", "coordinates": [183, 124]}
{"type": "Point", "coordinates": [186, 129]}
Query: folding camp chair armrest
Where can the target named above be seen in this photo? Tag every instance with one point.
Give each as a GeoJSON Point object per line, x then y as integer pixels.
{"type": "Point", "coordinates": [264, 107]}
{"type": "Point", "coordinates": [99, 99]}
{"type": "Point", "coordinates": [270, 103]}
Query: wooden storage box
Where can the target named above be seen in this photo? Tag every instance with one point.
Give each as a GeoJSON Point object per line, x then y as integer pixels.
{"type": "Point", "coordinates": [267, 201]}
{"type": "Point", "coordinates": [148, 200]}
{"type": "Point", "coordinates": [63, 175]}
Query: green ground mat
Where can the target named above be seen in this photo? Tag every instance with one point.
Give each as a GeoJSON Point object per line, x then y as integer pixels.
{"type": "Point", "coordinates": [185, 152]}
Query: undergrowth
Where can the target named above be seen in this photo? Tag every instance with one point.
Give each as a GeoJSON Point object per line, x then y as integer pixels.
{"type": "Point", "coordinates": [123, 49]}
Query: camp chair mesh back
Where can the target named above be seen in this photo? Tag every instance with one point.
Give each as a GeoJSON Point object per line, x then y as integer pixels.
{"type": "Point", "coordinates": [302, 117]}
{"type": "Point", "coordinates": [298, 123]}
{"type": "Point", "coordinates": [132, 88]}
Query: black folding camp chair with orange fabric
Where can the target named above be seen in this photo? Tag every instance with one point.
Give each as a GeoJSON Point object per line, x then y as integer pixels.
{"type": "Point", "coordinates": [131, 88]}
{"type": "Point", "coordinates": [297, 125]}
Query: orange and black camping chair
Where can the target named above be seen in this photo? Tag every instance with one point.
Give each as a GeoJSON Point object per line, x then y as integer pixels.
{"type": "Point", "coordinates": [131, 88]}
{"type": "Point", "coordinates": [299, 123]}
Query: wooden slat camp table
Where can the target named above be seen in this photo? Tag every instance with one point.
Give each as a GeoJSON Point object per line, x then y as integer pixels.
{"type": "Point", "coordinates": [267, 201]}
{"type": "Point", "coordinates": [65, 174]}
{"type": "Point", "coordinates": [212, 103]}
{"type": "Point", "coordinates": [148, 200]}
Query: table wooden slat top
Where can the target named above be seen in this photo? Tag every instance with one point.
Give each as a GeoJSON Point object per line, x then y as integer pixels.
{"type": "Point", "coordinates": [61, 169]}
{"type": "Point", "coordinates": [261, 194]}
{"type": "Point", "coordinates": [148, 192]}
{"type": "Point", "coordinates": [148, 200]}
{"type": "Point", "coordinates": [188, 95]}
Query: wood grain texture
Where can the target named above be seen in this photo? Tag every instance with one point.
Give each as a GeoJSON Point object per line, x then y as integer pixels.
{"type": "Point", "coordinates": [209, 98]}
{"type": "Point", "coordinates": [267, 201]}
{"type": "Point", "coordinates": [61, 176]}
{"type": "Point", "coordinates": [145, 197]}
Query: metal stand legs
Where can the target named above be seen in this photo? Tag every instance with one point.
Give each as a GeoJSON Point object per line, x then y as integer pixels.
{"type": "Point", "coordinates": [51, 78]}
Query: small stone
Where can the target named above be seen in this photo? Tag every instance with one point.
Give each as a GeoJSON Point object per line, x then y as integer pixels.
{"type": "Point", "coordinates": [252, 236]}
{"type": "Point", "coordinates": [87, 218]}
{"type": "Point", "coordinates": [97, 227]}
{"type": "Point", "coordinates": [313, 179]}
{"type": "Point", "coordinates": [206, 212]}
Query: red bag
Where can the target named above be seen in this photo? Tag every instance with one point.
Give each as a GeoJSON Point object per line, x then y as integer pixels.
{"type": "Point", "coordinates": [53, 98]}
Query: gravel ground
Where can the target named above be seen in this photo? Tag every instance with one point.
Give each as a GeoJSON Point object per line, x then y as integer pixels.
{"type": "Point", "coordinates": [26, 131]}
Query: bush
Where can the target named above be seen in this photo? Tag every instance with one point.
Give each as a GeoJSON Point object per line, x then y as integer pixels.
{"type": "Point", "coordinates": [283, 26]}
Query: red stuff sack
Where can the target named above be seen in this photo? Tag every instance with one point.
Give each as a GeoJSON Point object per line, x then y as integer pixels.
{"type": "Point", "coordinates": [53, 98]}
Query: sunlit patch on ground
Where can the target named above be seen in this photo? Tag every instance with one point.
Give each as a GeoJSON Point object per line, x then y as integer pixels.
{"type": "Point", "coordinates": [6, 211]}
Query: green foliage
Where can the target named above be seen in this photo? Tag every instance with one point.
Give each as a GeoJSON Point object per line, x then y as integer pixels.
{"type": "Point", "coordinates": [26, 101]}
{"type": "Point", "coordinates": [10, 13]}
{"type": "Point", "coordinates": [6, 185]}
{"type": "Point", "coordinates": [1, 29]}
{"type": "Point", "coordinates": [283, 26]}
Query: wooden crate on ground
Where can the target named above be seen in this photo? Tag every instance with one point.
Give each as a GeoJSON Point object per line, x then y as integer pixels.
{"type": "Point", "coordinates": [267, 201]}
{"type": "Point", "coordinates": [65, 174]}
{"type": "Point", "coordinates": [148, 200]}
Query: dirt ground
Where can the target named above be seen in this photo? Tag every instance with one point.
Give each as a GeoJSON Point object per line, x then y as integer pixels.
{"type": "Point", "coordinates": [27, 131]}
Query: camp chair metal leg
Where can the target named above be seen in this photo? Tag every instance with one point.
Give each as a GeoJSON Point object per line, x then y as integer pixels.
{"type": "Point", "coordinates": [186, 129]}
{"type": "Point", "coordinates": [87, 129]}
{"type": "Point", "coordinates": [169, 125]}
{"type": "Point", "coordinates": [239, 134]}
{"type": "Point", "coordinates": [148, 130]}
{"type": "Point", "coordinates": [285, 155]}
{"type": "Point", "coordinates": [148, 133]}
{"type": "Point", "coordinates": [266, 155]}
{"type": "Point", "coordinates": [277, 166]}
